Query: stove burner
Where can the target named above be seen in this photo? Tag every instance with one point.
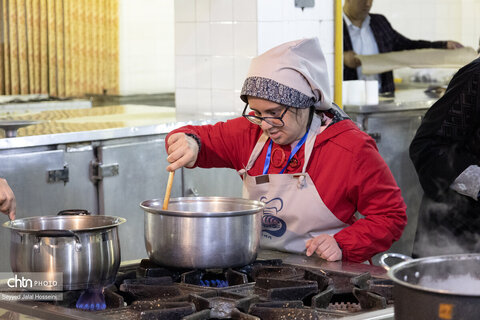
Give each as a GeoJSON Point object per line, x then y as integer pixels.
{"type": "Point", "coordinates": [137, 291]}
{"type": "Point", "coordinates": [214, 283]}
{"type": "Point", "coordinates": [222, 305]}
{"type": "Point", "coordinates": [214, 278]}
{"type": "Point", "coordinates": [284, 310]}
{"type": "Point", "coordinates": [263, 290]}
{"type": "Point", "coordinates": [91, 299]}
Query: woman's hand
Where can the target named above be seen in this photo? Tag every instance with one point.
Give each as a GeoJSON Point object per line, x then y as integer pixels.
{"type": "Point", "coordinates": [325, 247]}
{"type": "Point", "coordinates": [182, 151]}
{"type": "Point", "coordinates": [8, 204]}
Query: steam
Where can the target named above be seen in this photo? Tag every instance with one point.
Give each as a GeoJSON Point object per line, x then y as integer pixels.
{"type": "Point", "coordinates": [458, 284]}
{"type": "Point", "coordinates": [445, 228]}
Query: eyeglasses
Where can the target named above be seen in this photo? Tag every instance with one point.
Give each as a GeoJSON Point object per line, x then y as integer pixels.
{"type": "Point", "coordinates": [273, 121]}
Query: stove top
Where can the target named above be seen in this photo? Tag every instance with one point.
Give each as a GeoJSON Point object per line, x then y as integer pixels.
{"type": "Point", "coordinates": [276, 286]}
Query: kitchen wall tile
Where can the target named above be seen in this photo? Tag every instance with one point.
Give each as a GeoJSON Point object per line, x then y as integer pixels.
{"type": "Point", "coordinates": [238, 104]}
{"type": "Point", "coordinates": [184, 11]}
{"type": "Point", "coordinates": [185, 72]}
{"type": "Point", "coordinates": [222, 38]}
{"type": "Point", "coordinates": [434, 15]}
{"type": "Point", "coordinates": [297, 14]}
{"type": "Point", "coordinates": [289, 30]}
{"type": "Point", "coordinates": [269, 35]}
{"type": "Point", "coordinates": [222, 101]}
{"type": "Point", "coordinates": [204, 101]}
{"type": "Point", "coordinates": [202, 10]}
{"type": "Point", "coordinates": [327, 36]}
{"type": "Point", "coordinates": [269, 10]}
{"type": "Point", "coordinates": [222, 72]}
{"type": "Point", "coordinates": [203, 40]}
{"type": "Point", "coordinates": [150, 82]}
{"type": "Point", "coordinates": [325, 10]}
{"type": "Point", "coordinates": [165, 81]}
{"type": "Point", "coordinates": [441, 10]}
{"type": "Point", "coordinates": [245, 10]}
{"type": "Point", "coordinates": [186, 101]}
{"type": "Point", "coordinates": [204, 72]}
{"type": "Point", "coordinates": [307, 29]}
{"type": "Point", "coordinates": [329, 58]}
{"type": "Point", "coordinates": [185, 42]}
{"type": "Point", "coordinates": [146, 54]}
{"type": "Point", "coordinates": [241, 65]}
{"type": "Point", "coordinates": [422, 9]}
{"type": "Point", "coordinates": [221, 10]}
{"type": "Point", "coordinates": [244, 35]}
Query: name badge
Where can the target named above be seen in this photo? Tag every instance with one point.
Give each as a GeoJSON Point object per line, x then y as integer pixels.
{"type": "Point", "coordinates": [262, 179]}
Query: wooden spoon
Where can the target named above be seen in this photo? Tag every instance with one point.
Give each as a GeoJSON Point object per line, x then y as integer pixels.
{"type": "Point", "coordinates": [169, 190]}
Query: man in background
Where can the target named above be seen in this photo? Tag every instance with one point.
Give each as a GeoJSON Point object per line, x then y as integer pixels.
{"type": "Point", "coordinates": [365, 33]}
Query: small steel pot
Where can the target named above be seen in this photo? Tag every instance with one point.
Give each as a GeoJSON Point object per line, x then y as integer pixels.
{"type": "Point", "coordinates": [85, 248]}
{"type": "Point", "coordinates": [203, 232]}
{"type": "Point", "coordinates": [425, 288]}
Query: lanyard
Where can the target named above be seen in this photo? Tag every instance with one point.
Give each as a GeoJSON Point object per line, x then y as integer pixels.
{"type": "Point", "coordinates": [295, 149]}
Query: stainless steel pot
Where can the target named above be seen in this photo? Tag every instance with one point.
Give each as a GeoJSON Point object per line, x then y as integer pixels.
{"type": "Point", "coordinates": [86, 249]}
{"type": "Point", "coordinates": [203, 232]}
{"type": "Point", "coordinates": [442, 287]}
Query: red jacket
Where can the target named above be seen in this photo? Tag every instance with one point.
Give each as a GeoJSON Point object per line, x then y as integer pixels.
{"type": "Point", "coordinates": [348, 172]}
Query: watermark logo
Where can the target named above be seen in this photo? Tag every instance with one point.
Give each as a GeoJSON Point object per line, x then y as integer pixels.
{"type": "Point", "coordinates": [29, 283]}
{"type": "Point", "coordinates": [31, 286]}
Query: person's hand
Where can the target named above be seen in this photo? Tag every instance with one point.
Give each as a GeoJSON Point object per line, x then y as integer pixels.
{"type": "Point", "coordinates": [351, 60]}
{"type": "Point", "coordinates": [182, 151]}
{"type": "Point", "coordinates": [454, 45]}
{"type": "Point", "coordinates": [325, 247]}
{"type": "Point", "coordinates": [8, 204]}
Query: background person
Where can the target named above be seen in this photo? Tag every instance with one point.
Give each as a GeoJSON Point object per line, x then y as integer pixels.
{"type": "Point", "coordinates": [365, 33]}
{"type": "Point", "coordinates": [301, 155]}
{"type": "Point", "coordinates": [446, 155]}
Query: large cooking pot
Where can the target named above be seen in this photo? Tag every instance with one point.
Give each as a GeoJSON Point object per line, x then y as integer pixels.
{"type": "Point", "coordinates": [203, 232]}
{"type": "Point", "coordinates": [442, 287]}
{"type": "Point", "coordinates": [85, 248]}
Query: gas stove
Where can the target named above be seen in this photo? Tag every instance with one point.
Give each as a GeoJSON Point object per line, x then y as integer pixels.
{"type": "Point", "coordinates": [276, 286]}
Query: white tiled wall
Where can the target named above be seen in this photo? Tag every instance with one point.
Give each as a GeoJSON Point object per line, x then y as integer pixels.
{"type": "Point", "coordinates": [434, 19]}
{"type": "Point", "coordinates": [216, 39]}
{"type": "Point", "coordinates": [146, 46]}
{"type": "Point", "coordinates": [170, 45]}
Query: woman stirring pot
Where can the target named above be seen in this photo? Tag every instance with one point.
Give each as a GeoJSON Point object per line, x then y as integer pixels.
{"type": "Point", "coordinates": [303, 157]}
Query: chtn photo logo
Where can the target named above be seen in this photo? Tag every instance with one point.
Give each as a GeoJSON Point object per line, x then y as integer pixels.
{"type": "Point", "coordinates": [31, 281]}
{"type": "Point", "coordinates": [27, 283]}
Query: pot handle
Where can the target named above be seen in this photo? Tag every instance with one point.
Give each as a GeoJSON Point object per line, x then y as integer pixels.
{"type": "Point", "coordinates": [394, 255]}
{"type": "Point", "coordinates": [53, 233]}
{"type": "Point", "coordinates": [74, 212]}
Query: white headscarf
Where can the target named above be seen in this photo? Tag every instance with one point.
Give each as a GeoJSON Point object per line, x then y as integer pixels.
{"type": "Point", "coordinates": [293, 74]}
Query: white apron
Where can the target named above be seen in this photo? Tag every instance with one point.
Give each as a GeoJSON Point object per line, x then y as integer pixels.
{"type": "Point", "coordinates": [294, 211]}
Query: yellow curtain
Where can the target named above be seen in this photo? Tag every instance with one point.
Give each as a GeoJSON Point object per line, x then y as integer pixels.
{"type": "Point", "coordinates": [63, 48]}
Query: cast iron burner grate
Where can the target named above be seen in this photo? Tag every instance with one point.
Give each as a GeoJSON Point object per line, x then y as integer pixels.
{"type": "Point", "coordinates": [262, 290]}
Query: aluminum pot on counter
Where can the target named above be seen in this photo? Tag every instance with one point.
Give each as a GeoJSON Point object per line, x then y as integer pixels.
{"type": "Point", "coordinates": [85, 248]}
{"type": "Point", "coordinates": [203, 232]}
{"type": "Point", "coordinates": [440, 287]}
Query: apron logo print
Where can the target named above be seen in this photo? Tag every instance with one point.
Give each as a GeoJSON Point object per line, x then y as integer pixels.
{"type": "Point", "coordinates": [272, 224]}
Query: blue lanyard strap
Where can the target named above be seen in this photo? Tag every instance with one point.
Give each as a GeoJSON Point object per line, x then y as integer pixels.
{"type": "Point", "coordinates": [300, 143]}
